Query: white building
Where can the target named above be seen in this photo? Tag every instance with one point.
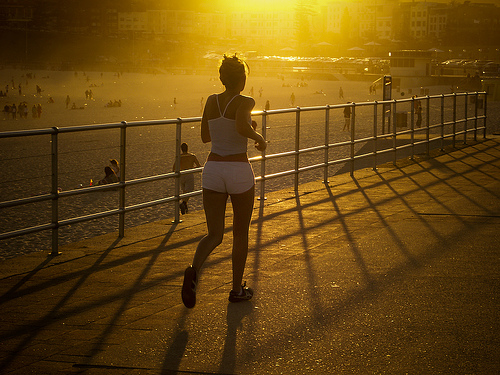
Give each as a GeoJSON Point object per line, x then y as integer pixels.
{"type": "Point", "coordinates": [410, 63]}
{"type": "Point", "coordinates": [419, 20]}
{"type": "Point", "coordinates": [262, 27]}
{"type": "Point", "coordinates": [132, 21]}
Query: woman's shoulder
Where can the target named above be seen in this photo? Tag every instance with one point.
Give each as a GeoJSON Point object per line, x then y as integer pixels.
{"type": "Point", "coordinates": [246, 101]}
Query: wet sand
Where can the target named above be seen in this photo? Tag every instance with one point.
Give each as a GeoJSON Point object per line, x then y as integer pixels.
{"type": "Point", "coordinates": [25, 163]}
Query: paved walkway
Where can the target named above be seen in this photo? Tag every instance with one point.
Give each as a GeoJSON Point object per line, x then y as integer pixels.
{"type": "Point", "coordinates": [394, 271]}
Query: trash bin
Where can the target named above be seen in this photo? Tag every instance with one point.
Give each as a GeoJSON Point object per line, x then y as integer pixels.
{"type": "Point", "coordinates": [401, 119]}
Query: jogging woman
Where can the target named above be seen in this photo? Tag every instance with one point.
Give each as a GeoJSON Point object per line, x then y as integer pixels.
{"type": "Point", "coordinates": [227, 124]}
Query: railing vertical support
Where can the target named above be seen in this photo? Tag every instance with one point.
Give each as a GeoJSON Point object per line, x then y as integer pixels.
{"type": "Point", "coordinates": [454, 118]}
{"type": "Point", "coordinates": [375, 135]}
{"type": "Point", "coordinates": [353, 121]}
{"type": "Point", "coordinates": [178, 127]}
{"type": "Point", "coordinates": [442, 122]}
{"type": "Point", "coordinates": [394, 132]}
{"type": "Point", "coordinates": [412, 127]}
{"type": "Point", "coordinates": [427, 124]}
{"type": "Point", "coordinates": [55, 191]}
{"type": "Point", "coordinates": [484, 113]}
{"type": "Point", "coordinates": [327, 142]}
{"type": "Point", "coordinates": [262, 196]}
{"type": "Point", "coordinates": [123, 169]}
{"type": "Point", "coordinates": [475, 116]}
{"type": "Point", "coordinates": [297, 148]}
{"type": "Point", "coordinates": [465, 117]}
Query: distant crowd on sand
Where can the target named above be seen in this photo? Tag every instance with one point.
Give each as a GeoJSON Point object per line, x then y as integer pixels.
{"type": "Point", "coordinates": [22, 109]}
{"type": "Point", "coordinates": [23, 90]}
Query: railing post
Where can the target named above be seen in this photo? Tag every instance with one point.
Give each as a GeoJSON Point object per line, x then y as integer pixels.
{"type": "Point", "coordinates": [412, 127]}
{"type": "Point", "coordinates": [442, 122]}
{"type": "Point", "coordinates": [178, 127]}
{"type": "Point", "coordinates": [123, 168]}
{"type": "Point", "coordinates": [394, 132]}
{"type": "Point", "coordinates": [375, 136]}
{"type": "Point", "coordinates": [353, 121]}
{"type": "Point", "coordinates": [465, 120]}
{"type": "Point", "coordinates": [428, 124]}
{"type": "Point", "coordinates": [475, 116]}
{"type": "Point", "coordinates": [454, 118]}
{"type": "Point", "coordinates": [327, 142]}
{"type": "Point", "coordinates": [55, 191]}
{"type": "Point", "coordinates": [262, 196]}
{"type": "Point", "coordinates": [484, 113]}
{"type": "Point", "coordinates": [297, 148]}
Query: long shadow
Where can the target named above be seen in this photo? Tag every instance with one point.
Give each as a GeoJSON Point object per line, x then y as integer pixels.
{"type": "Point", "coordinates": [331, 315]}
{"type": "Point", "coordinates": [236, 312]}
{"type": "Point", "coordinates": [55, 314]}
{"type": "Point", "coordinates": [350, 239]}
{"type": "Point", "coordinates": [51, 316]}
{"type": "Point", "coordinates": [97, 267]}
{"type": "Point", "coordinates": [127, 298]}
{"type": "Point", "coordinates": [395, 237]}
{"type": "Point", "coordinates": [311, 276]}
{"type": "Point", "coordinates": [10, 293]}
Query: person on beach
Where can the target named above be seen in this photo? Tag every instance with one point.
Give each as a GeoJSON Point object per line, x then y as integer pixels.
{"type": "Point", "coordinates": [347, 118]}
{"type": "Point", "coordinates": [115, 167]}
{"type": "Point", "coordinates": [227, 124]}
{"type": "Point", "coordinates": [187, 161]}
{"type": "Point", "coordinates": [417, 107]}
{"type": "Point", "coordinates": [109, 178]}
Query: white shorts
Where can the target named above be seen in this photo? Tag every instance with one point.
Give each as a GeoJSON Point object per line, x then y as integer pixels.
{"type": "Point", "coordinates": [232, 177]}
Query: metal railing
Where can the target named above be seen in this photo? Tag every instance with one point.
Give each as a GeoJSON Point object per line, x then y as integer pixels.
{"type": "Point", "coordinates": [371, 123]}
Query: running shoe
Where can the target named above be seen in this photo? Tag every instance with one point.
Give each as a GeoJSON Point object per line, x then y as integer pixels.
{"type": "Point", "coordinates": [245, 295]}
{"type": "Point", "coordinates": [189, 287]}
{"type": "Point", "coordinates": [183, 207]}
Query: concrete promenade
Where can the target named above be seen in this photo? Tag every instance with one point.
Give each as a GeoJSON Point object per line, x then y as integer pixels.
{"type": "Point", "coordinates": [390, 272]}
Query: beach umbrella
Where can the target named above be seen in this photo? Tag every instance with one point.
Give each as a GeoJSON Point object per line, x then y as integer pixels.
{"type": "Point", "coordinates": [356, 49]}
{"type": "Point", "coordinates": [323, 44]}
{"type": "Point", "coordinates": [372, 44]}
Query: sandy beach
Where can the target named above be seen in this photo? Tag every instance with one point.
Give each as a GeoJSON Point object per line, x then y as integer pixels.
{"type": "Point", "coordinates": [25, 163]}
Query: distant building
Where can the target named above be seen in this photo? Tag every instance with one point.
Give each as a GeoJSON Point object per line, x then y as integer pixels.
{"type": "Point", "coordinates": [15, 14]}
{"type": "Point", "coordinates": [410, 63]}
{"type": "Point", "coordinates": [133, 21]}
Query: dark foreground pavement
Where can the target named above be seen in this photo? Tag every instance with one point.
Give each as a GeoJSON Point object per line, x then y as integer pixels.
{"type": "Point", "coordinates": [395, 271]}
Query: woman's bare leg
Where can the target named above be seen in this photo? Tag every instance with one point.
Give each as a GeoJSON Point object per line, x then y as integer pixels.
{"type": "Point", "coordinates": [214, 204]}
{"type": "Point", "coordinates": [242, 215]}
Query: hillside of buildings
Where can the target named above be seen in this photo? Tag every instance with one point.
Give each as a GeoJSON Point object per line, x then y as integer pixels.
{"type": "Point", "coordinates": [151, 35]}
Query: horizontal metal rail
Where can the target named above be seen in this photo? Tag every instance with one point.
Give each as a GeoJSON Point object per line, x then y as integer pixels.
{"type": "Point", "coordinates": [432, 132]}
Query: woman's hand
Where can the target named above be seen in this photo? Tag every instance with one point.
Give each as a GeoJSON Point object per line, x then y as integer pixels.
{"type": "Point", "coordinates": [261, 144]}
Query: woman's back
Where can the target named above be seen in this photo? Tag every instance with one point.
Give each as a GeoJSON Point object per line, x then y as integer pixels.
{"type": "Point", "coordinates": [222, 126]}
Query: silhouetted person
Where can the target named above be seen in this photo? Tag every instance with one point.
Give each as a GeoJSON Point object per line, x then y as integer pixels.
{"type": "Point", "coordinates": [187, 161]}
{"type": "Point", "coordinates": [227, 124]}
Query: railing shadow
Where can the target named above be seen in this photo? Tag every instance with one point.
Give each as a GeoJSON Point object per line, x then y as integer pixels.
{"type": "Point", "coordinates": [297, 209]}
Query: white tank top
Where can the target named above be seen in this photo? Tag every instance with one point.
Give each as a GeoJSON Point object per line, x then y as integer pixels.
{"type": "Point", "coordinates": [225, 138]}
